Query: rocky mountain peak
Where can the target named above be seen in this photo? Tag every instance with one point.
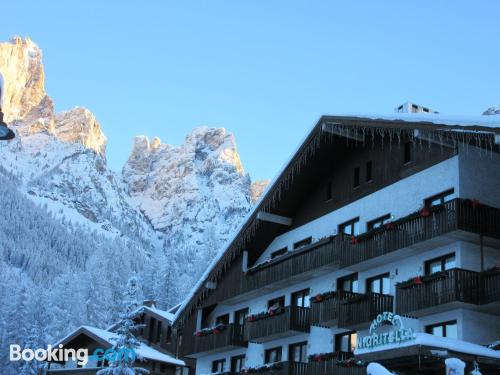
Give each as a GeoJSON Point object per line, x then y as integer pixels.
{"type": "Point", "coordinates": [30, 110]}
{"type": "Point", "coordinates": [495, 110]}
{"type": "Point", "coordinates": [22, 69]}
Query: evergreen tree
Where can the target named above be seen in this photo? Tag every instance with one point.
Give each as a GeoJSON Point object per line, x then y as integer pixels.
{"type": "Point", "coordinates": [126, 343]}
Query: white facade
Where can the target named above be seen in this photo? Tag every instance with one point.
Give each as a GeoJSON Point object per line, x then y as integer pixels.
{"type": "Point", "coordinates": [472, 174]}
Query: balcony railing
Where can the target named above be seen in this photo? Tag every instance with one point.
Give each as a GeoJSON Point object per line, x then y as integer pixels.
{"type": "Point", "coordinates": [330, 367]}
{"type": "Point", "coordinates": [291, 320]}
{"type": "Point", "coordinates": [363, 308]}
{"type": "Point", "coordinates": [491, 286]}
{"type": "Point", "coordinates": [325, 309]}
{"type": "Point", "coordinates": [281, 368]}
{"type": "Point", "coordinates": [454, 285]}
{"type": "Point", "coordinates": [338, 251]}
{"type": "Point", "coordinates": [228, 338]}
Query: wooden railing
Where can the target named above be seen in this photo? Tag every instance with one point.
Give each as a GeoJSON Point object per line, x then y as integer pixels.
{"type": "Point", "coordinates": [231, 336]}
{"type": "Point", "coordinates": [330, 367]}
{"type": "Point", "coordinates": [282, 368]}
{"type": "Point", "coordinates": [491, 286]}
{"type": "Point", "coordinates": [339, 251]}
{"type": "Point", "coordinates": [454, 285]}
{"type": "Point", "coordinates": [326, 312]}
{"type": "Point", "coordinates": [293, 318]}
{"type": "Point", "coordinates": [363, 308]}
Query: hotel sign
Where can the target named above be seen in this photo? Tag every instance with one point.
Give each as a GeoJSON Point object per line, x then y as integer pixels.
{"type": "Point", "coordinates": [396, 335]}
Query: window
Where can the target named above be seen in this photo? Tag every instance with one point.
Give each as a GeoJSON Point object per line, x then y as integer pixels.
{"type": "Point", "coordinates": [276, 302]}
{"type": "Point", "coordinates": [440, 264]}
{"type": "Point", "coordinates": [302, 243]}
{"type": "Point", "coordinates": [440, 198]}
{"type": "Point", "coordinates": [301, 299]}
{"type": "Point", "coordinates": [329, 190]}
{"type": "Point", "coordinates": [379, 284]}
{"type": "Point", "coordinates": [369, 167]}
{"type": "Point", "coordinates": [279, 252]}
{"type": "Point", "coordinates": [218, 365]}
{"type": "Point", "coordinates": [237, 363]}
{"type": "Point", "coordinates": [350, 228]}
{"type": "Point", "coordinates": [345, 342]}
{"type": "Point", "coordinates": [348, 283]}
{"type": "Point", "coordinates": [378, 222]}
{"type": "Point", "coordinates": [447, 329]}
{"type": "Point", "coordinates": [240, 316]}
{"type": "Point", "coordinates": [223, 319]}
{"type": "Point", "coordinates": [152, 323]}
{"type": "Point", "coordinates": [273, 355]}
{"type": "Point", "coordinates": [163, 367]}
{"type": "Point", "coordinates": [298, 352]}
{"type": "Point", "coordinates": [158, 331]}
{"type": "Point", "coordinates": [356, 177]}
{"type": "Point", "coordinates": [407, 153]}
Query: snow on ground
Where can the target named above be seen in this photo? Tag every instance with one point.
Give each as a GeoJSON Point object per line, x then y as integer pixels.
{"type": "Point", "coordinates": [438, 342]}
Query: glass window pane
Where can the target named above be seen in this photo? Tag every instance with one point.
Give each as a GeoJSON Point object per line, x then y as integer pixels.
{"type": "Point", "coordinates": [344, 343]}
{"type": "Point", "coordinates": [437, 331]}
{"type": "Point", "coordinates": [452, 331]}
{"type": "Point", "coordinates": [450, 263]}
{"type": "Point", "coordinates": [386, 287]}
{"type": "Point", "coordinates": [435, 267]}
{"type": "Point", "coordinates": [355, 286]}
{"type": "Point", "coordinates": [354, 338]}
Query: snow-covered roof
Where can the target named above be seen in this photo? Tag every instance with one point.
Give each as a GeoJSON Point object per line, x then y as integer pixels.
{"type": "Point", "coordinates": [108, 338]}
{"type": "Point", "coordinates": [167, 316]}
{"type": "Point", "coordinates": [492, 122]}
{"type": "Point", "coordinates": [486, 122]}
{"type": "Point", "coordinates": [426, 339]}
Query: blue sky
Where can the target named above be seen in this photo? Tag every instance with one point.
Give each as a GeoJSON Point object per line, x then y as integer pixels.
{"type": "Point", "coordinates": [265, 70]}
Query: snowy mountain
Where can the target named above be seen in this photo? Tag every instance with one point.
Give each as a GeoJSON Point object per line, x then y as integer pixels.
{"type": "Point", "coordinates": [495, 110]}
{"type": "Point", "coordinates": [167, 213]}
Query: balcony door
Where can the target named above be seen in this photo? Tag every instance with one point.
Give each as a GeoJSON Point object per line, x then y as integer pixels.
{"type": "Point", "coordinates": [276, 302]}
{"type": "Point", "coordinates": [273, 355]}
{"type": "Point", "coordinates": [301, 298]}
{"type": "Point", "coordinates": [348, 283]}
{"type": "Point", "coordinates": [218, 365]}
{"type": "Point", "coordinates": [345, 343]}
{"type": "Point", "coordinates": [237, 364]}
{"type": "Point", "coordinates": [240, 316]}
{"type": "Point", "coordinates": [380, 284]}
{"type": "Point", "coordinates": [297, 353]}
{"type": "Point", "coordinates": [440, 264]}
{"type": "Point", "coordinates": [223, 319]}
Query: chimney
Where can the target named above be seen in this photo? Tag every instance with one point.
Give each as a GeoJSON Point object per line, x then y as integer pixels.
{"type": "Point", "coordinates": [409, 107]}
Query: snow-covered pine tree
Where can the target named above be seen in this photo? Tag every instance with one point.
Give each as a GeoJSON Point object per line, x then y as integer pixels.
{"type": "Point", "coordinates": [31, 367]}
{"type": "Point", "coordinates": [125, 340]}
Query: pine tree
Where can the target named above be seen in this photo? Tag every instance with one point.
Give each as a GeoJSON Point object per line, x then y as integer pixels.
{"type": "Point", "coordinates": [31, 367]}
{"type": "Point", "coordinates": [125, 340]}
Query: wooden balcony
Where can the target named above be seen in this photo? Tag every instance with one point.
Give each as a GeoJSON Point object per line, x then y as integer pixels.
{"type": "Point", "coordinates": [330, 367]}
{"type": "Point", "coordinates": [360, 309]}
{"type": "Point", "coordinates": [291, 321]}
{"type": "Point", "coordinates": [325, 312]}
{"type": "Point", "coordinates": [282, 368]}
{"type": "Point", "coordinates": [230, 338]}
{"type": "Point", "coordinates": [454, 218]}
{"type": "Point", "coordinates": [491, 286]}
{"type": "Point", "coordinates": [434, 293]}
